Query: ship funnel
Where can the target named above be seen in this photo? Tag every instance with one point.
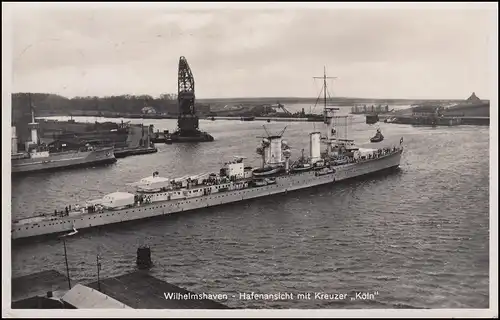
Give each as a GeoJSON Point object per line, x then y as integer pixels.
{"type": "Point", "coordinates": [315, 146]}
{"type": "Point", "coordinates": [274, 155]}
{"type": "Point", "coordinates": [287, 154]}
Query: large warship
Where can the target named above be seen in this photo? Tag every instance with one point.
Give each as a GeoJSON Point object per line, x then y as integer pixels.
{"type": "Point", "coordinates": [153, 196]}
{"type": "Point", "coordinates": [38, 156]}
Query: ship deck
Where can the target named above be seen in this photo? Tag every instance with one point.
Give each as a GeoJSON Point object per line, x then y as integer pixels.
{"type": "Point", "coordinates": [47, 216]}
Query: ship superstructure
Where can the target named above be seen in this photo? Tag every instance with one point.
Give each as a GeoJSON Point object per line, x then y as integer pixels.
{"type": "Point", "coordinates": [278, 173]}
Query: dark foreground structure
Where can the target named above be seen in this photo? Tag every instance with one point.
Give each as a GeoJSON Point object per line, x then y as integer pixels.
{"type": "Point", "coordinates": [136, 290]}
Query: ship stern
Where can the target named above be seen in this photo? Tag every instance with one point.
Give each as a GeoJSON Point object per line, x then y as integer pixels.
{"type": "Point", "coordinates": [102, 155]}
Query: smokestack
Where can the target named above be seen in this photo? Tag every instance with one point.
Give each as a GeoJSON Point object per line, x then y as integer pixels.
{"type": "Point", "coordinates": [315, 146]}
{"type": "Point", "coordinates": [286, 154]}
{"type": "Point", "coordinates": [275, 150]}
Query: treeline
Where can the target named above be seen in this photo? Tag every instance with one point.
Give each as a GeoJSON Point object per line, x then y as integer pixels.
{"type": "Point", "coordinates": [166, 103]}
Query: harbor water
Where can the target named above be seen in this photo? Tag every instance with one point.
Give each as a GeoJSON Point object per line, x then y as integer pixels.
{"type": "Point", "coordinates": [415, 238]}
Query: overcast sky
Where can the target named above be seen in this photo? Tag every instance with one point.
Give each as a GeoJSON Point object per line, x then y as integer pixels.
{"type": "Point", "coordinates": [243, 53]}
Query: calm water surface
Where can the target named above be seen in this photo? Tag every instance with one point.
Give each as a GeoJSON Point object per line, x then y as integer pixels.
{"type": "Point", "coordinates": [419, 236]}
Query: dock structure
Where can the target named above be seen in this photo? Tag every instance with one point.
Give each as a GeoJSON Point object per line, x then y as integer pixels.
{"type": "Point", "coordinates": [438, 121]}
{"type": "Point", "coordinates": [140, 290]}
{"type": "Point", "coordinates": [138, 142]}
{"type": "Point", "coordinates": [284, 119]}
{"type": "Point", "coordinates": [83, 297]}
{"type": "Point", "coordinates": [27, 289]}
{"type": "Point", "coordinates": [480, 121]}
{"type": "Point", "coordinates": [472, 111]}
{"type": "Point", "coordinates": [137, 290]}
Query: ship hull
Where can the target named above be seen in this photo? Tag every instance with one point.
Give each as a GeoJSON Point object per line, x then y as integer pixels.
{"type": "Point", "coordinates": [64, 160]}
{"type": "Point", "coordinates": [283, 184]}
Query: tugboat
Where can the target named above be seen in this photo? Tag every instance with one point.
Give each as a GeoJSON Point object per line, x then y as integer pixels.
{"type": "Point", "coordinates": [378, 137]}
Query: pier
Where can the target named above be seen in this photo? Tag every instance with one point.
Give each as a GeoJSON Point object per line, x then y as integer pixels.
{"type": "Point", "coordinates": [138, 142]}
{"type": "Point", "coordinates": [480, 121]}
{"type": "Point", "coordinates": [283, 119]}
{"type": "Point", "coordinates": [437, 121]}
{"type": "Point", "coordinates": [471, 111]}
{"type": "Point", "coordinates": [137, 290]}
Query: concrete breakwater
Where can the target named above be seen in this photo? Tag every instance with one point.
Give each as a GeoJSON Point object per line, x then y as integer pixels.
{"type": "Point", "coordinates": [439, 121]}
{"type": "Point", "coordinates": [319, 119]}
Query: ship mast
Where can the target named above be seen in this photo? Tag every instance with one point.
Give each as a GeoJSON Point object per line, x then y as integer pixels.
{"type": "Point", "coordinates": [328, 119]}
{"type": "Point", "coordinates": [324, 77]}
{"type": "Point", "coordinates": [33, 125]}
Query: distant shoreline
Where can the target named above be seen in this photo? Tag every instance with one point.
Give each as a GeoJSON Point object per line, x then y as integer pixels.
{"type": "Point", "coordinates": [273, 100]}
{"type": "Point", "coordinates": [130, 107]}
{"type": "Point", "coordinates": [344, 101]}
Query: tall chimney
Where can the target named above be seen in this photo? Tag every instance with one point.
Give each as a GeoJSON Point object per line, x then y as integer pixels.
{"type": "Point", "coordinates": [315, 146]}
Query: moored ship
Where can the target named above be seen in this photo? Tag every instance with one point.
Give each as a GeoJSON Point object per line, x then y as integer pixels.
{"type": "Point", "coordinates": [157, 196]}
{"type": "Point", "coordinates": [39, 156]}
{"type": "Point", "coordinates": [42, 159]}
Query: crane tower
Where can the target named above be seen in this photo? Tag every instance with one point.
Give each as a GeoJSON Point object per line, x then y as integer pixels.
{"type": "Point", "coordinates": [187, 121]}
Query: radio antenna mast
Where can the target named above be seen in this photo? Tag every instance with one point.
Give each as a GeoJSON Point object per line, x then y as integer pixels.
{"type": "Point", "coordinates": [324, 77]}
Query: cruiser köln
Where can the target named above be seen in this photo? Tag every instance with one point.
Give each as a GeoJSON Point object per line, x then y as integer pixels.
{"type": "Point", "coordinates": [341, 159]}
{"type": "Point", "coordinates": [156, 195]}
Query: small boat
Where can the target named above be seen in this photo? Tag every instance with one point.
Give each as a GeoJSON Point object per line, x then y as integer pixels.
{"type": "Point", "coordinates": [378, 137]}
{"type": "Point", "coordinates": [259, 183]}
{"type": "Point", "coordinates": [247, 118]}
{"type": "Point", "coordinates": [266, 171]}
{"type": "Point", "coordinates": [325, 171]}
{"type": "Point", "coordinates": [302, 167]}
{"type": "Point", "coordinates": [302, 164]}
{"type": "Point", "coordinates": [263, 182]}
{"type": "Point", "coordinates": [340, 162]}
{"type": "Point", "coordinates": [270, 180]}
